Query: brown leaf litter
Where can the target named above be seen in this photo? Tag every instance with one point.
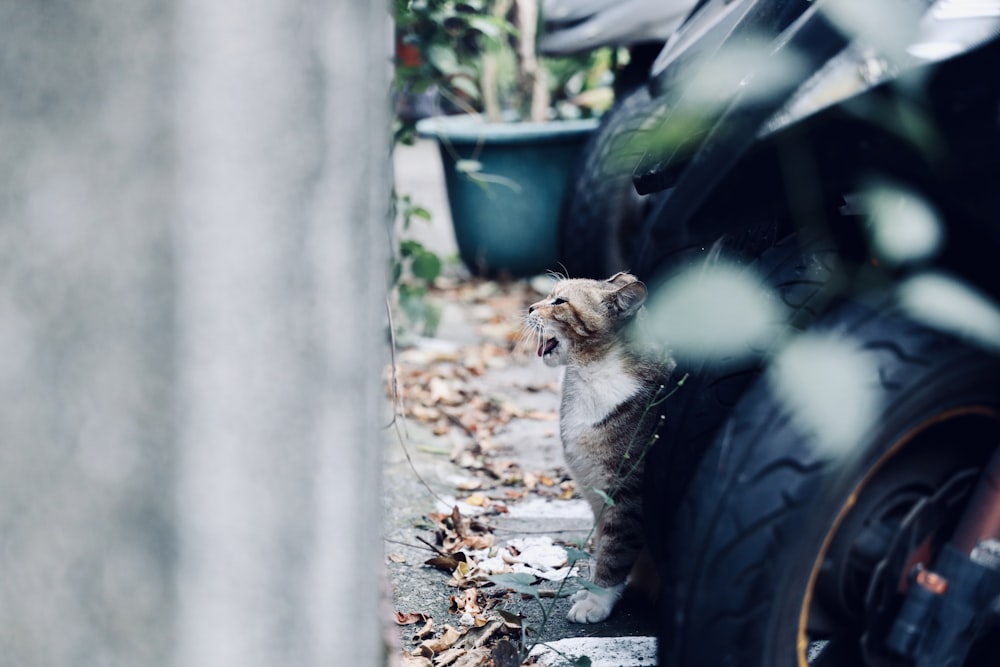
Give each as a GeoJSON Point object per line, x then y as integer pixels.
{"type": "Point", "coordinates": [433, 385]}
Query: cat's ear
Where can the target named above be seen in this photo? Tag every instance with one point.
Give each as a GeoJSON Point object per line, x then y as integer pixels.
{"type": "Point", "coordinates": [627, 300]}
{"type": "Point", "coordinates": [621, 278]}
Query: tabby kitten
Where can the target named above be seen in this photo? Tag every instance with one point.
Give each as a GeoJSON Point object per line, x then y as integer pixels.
{"type": "Point", "coordinates": [609, 384]}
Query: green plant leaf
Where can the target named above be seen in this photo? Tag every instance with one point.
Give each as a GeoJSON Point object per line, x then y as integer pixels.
{"type": "Point", "coordinates": [410, 248]}
{"type": "Point", "coordinates": [420, 212]}
{"type": "Point", "coordinates": [513, 619]}
{"type": "Point", "coordinates": [432, 318]}
{"type": "Point", "coordinates": [442, 58]}
{"type": "Point", "coordinates": [573, 554]}
{"type": "Point", "coordinates": [608, 500]}
{"type": "Point", "coordinates": [426, 266]}
{"type": "Point", "coordinates": [412, 301]}
{"type": "Point", "coordinates": [410, 291]}
{"type": "Point", "coordinates": [465, 86]}
{"type": "Point", "coordinates": [470, 6]}
{"type": "Point", "coordinates": [582, 661]}
{"type": "Point", "coordinates": [519, 582]}
{"type": "Point", "coordinates": [487, 25]}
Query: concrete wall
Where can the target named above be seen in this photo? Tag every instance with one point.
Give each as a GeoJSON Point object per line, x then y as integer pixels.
{"type": "Point", "coordinates": [192, 208]}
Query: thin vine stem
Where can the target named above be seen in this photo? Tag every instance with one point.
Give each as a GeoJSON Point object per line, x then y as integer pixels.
{"type": "Point", "coordinates": [399, 408]}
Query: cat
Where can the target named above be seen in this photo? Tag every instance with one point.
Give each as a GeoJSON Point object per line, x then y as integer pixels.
{"type": "Point", "coordinates": [610, 384]}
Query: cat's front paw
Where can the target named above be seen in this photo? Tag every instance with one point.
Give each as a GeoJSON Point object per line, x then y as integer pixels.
{"type": "Point", "coordinates": [593, 606]}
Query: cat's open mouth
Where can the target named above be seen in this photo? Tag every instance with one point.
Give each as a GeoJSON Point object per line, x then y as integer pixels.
{"type": "Point", "coordinates": [547, 346]}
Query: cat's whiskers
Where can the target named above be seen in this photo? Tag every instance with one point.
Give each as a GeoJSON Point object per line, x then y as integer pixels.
{"type": "Point", "coordinates": [530, 329]}
{"type": "Point", "coordinates": [558, 275]}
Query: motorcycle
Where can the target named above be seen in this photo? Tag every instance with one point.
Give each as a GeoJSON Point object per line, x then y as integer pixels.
{"type": "Point", "coordinates": [576, 26]}
{"type": "Point", "coordinates": [601, 210]}
{"type": "Point", "coordinates": [832, 495]}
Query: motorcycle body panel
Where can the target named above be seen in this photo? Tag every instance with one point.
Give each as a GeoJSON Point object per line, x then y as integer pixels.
{"type": "Point", "coordinates": [578, 26]}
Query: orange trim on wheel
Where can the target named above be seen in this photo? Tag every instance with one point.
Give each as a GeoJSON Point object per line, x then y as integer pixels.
{"type": "Point", "coordinates": [802, 640]}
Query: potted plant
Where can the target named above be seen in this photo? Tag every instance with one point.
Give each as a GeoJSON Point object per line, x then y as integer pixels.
{"type": "Point", "coordinates": [507, 133]}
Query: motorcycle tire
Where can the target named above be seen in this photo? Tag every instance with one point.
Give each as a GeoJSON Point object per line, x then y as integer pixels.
{"type": "Point", "coordinates": [601, 212]}
{"type": "Point", "coordinates": [798, 275]}
{"type": "Point", "coordinates": [766, 550]}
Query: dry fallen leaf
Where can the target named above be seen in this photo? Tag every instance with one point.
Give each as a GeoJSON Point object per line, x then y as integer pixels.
{"type": "Point", "coordinates": [460, 577]}
{"type": "Point", "coordinates": [444, 642]}
{"type": "Point", "coordinates": [423, 413]}
{"type": "Point", "coordinates": [444, 393]}
{"type": "Point", "coordinates": [507, 472]}
{"type": "Point", "coordinates": [422, 651]}
{"type": "Point", "coordinates": [485, 637]}
{"type": "Point", "coordinates": [443, 563]}
{"type": "Point", "coordinates": [477, 500]}
{"type": "Point", "coordinates": [530, 481]}
{"type": "Point", "coordinates": [424, 632]}
{"type": "Point", "coordinates": [410, 660]}
{"type": "Point", "coordinates": [479, 657]}
{"type": "Point", "coordinates": [467, 606]}
{"type": "Point", "coordinates": [478, 542]}
{"type": "Point", "coordinates": [505, 655]}
{"type": "Point", "coordinates": [455, 532]}
{"type": "Point", "coordinates": [448, 657]}
{"type": "Point", "coordinates": [409, 618]}
{"type": "Point", "coordinates": [465, 602]}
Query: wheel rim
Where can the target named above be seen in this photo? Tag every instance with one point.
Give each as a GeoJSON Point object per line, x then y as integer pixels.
{"type": "Point", "coordinates": [868, 522]}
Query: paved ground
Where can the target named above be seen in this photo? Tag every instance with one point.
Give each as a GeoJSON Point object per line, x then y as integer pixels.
{"type": "Point", "coordinates": [481, 433]}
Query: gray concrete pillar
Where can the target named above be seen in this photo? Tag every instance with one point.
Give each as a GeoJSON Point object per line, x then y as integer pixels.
{"type": "Point", "coordinates": [193, 200]}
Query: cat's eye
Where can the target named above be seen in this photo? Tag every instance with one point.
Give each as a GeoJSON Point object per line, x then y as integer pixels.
{"type": "Point", "coordinates": [558, 301]}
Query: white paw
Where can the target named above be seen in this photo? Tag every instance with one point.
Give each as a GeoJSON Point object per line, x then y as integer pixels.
{"type": "Point", "coordinates": [593, 606]}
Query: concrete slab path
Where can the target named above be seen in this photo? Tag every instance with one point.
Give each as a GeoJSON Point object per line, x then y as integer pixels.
{"type": "Point", "coordinates": [509, 471]}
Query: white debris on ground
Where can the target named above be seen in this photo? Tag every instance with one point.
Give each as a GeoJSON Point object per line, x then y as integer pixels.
{"type": "Point", "coordinates": [534, 508]}
{"type": "Point", "coordinates": [602, 651]}
{"type": "Point", "coordinates": [538, 556]}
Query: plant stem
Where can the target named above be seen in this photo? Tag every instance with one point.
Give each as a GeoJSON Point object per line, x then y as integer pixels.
{"type": "Point", "coordinates": [489, 78]}
{"type": "Point", "coordinates": [532, 75]}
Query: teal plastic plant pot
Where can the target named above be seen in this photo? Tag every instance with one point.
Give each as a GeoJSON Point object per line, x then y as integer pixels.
{"type": "Point", "coordinates": [505, 183]}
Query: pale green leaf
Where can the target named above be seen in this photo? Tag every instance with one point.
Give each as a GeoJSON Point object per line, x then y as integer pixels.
{"type": "Point", "coordinates": [519, 582]}
{"type": "Point", "coordinates": [608, 500]}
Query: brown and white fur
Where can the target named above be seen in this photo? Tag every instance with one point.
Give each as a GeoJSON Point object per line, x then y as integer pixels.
{"type": "Point", "coordinates": [609, 384]}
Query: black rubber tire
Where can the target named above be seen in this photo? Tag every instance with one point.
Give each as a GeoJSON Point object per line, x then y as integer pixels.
{"type": "Point", "coordinates": [601, 212]}
{"type": "Point", "coordinates": [766, 502]}
{"type": "Point", "coordinates": [799, 278]}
